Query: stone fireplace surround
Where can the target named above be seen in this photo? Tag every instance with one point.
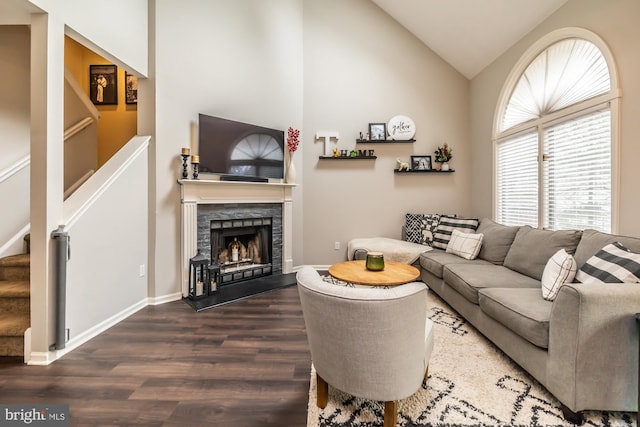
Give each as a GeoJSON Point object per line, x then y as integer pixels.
{"type": "Point", "coordinates": [238, 195]}
{"type": "Point", "coordinates": [243, 211]}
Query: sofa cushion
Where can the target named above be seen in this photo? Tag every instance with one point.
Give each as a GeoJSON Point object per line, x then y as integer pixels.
{"type": "Point", "coordinates": [466, 245]}
{"type": "Point", "coordinates": [532, 248]}
{"type": "Point", "coordinates": [612, 264]}
{"type": "Point", "coordinates": [560, 269]}
{"type": "Point", "coordinates": [468, 279]}
{"type": "Point", "coordinates": [419, 228]}
{"type": "Point", "coordinates": [447, 224]}
{"type": "Point", "coordinates": [592, 241]}
{"type": "Point", "coordinates": [496, 241]}
{"type": "Point", "coordinates": [522, 310]}
{"type": "Point", "coordinates": [435, 260]}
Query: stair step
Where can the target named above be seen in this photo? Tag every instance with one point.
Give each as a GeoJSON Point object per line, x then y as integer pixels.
{"type": "Point", "coordinates": [15, 267]}
{"type": "Point", "coordinates": [14, 289]}
{"type": "Point", "coordinates": [20, 260]}
{"type": "Point", "coordinates": [12, 328]}
{"type": "Point", "coordinates": [14, 325]}
{"type": "Point", "coordinates": [14, 297]}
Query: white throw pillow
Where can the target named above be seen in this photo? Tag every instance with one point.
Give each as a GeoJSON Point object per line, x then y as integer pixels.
{"type": "Point", "coordinates": [560, 269]}
{"type": "Point", "coordinates": [466, 245]}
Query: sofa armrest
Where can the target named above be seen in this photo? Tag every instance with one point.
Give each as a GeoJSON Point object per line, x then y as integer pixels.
{"type": "Point", "coordinates": [593, 346]}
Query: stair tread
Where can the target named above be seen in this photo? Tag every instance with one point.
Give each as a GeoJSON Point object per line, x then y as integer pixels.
{"type": "Point", "coordinates": [14, 325]}
{"type": "Point", "coordinates": [14, 289]}
{"type": "Point", "coordinates": [20, 260]}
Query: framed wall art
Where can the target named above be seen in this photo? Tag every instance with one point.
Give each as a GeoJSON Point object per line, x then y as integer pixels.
{"type": "Point", "coordinates": [103, 84]}
{"type": "Point", "coordinates": [130, 88]}
{"type": "Point", "coordinates": [377, 131]}
{"type": "Point", "coordinates": [421, 163]}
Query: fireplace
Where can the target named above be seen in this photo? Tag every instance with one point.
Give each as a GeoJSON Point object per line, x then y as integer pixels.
{"type": "Point", "coordinates": [204, 201]}
{"type": "Point", "coordinates": [254, 230]}
{"type": "Point", "coordinates": [242, 248]}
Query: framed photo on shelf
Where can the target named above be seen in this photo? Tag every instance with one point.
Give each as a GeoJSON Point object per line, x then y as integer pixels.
{"type": "Point", "coordinates": [103, 84]}
{"type": "Point", "coordinates": [378, 131]}
{"type": "Point", "coordinates": [130, 88]}
{"type": "Point", "coordinates": [421, 163]}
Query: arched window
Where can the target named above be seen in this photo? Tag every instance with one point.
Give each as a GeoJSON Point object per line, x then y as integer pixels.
{"type": "Point", "coordinates": [555, 136]}
{"type": "Point", "coordinates": [257, 154]}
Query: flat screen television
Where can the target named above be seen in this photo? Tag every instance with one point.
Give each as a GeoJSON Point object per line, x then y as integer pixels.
{"type": "Point", "coordinates": [239, 151]}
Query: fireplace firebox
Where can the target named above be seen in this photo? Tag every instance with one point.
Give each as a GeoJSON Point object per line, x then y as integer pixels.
{"type": "Point", "coordinates": [242, 248]}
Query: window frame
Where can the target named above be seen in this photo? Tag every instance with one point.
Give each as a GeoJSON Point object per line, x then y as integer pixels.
{"type": "Point", "coordinates": [612, 98]}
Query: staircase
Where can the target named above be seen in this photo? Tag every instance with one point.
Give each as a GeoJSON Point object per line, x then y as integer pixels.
{"type": "Point", "coordinates": [14, 303]}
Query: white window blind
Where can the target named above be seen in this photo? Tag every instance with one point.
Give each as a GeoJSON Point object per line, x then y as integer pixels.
{"type": "Point", "coordinates": [517, 180]}
{"type": "Point", "coordinates": [577, 173]}
{"type": "Point", "coordinates": [567, 72]}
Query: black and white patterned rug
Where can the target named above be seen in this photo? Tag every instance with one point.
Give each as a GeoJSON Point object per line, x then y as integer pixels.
{"type": "Point", "coordinates": [471, 383]}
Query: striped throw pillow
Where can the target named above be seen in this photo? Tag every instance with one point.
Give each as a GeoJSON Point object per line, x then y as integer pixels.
{"type": "Point", "coordinates": [612, 264]}
{"type": "Point", "coordinates": [447, 224]}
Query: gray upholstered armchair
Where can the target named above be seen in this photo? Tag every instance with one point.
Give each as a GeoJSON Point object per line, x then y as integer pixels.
{"type": "Point", "coordinates": [371, 343]}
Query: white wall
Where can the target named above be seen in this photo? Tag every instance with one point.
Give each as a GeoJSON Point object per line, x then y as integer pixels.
{"type": "Point", "coordinates": [361, 66]}
{"type": "Point", "coordinates": [14, 138]}
{"type": "Point", "coordinates": [235, 59]}
{"type": "Point", "coordinates": [116, 29]}
{"type": "Point", "coordinates": [14, 94]}
{"type": "Point", "coordinates": [107, 223]}
{"type": "Point", "coordinates": [616, 22]}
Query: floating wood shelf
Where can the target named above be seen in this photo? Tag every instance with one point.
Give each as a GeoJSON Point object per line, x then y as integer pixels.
{"type": "Point", "coordinates": [419, 171]}
{"type": "Point", "coordinates": [385, 141]}
{"type": "Point", "coordinates": [348, 158]}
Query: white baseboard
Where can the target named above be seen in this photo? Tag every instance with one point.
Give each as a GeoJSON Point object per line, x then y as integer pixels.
{"type": "Point", "coordinates": [164, 299]}
{"type": "Point", "coordinates": [45, 358]}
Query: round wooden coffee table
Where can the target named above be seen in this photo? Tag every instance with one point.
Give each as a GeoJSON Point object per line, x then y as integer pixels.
{"type": "Point", "coordinates": [394, 273]}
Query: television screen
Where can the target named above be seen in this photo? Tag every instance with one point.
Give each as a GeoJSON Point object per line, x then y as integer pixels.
{"type": "Point", "coordinates": [236, 149]}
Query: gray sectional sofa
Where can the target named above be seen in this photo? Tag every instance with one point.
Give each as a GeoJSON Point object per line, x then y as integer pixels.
{"type": "Point", "coordinates": [583, 346]}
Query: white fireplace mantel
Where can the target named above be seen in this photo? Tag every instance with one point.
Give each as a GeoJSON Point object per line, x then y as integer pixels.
{"type": "Point", "coordinates": [201, 191]}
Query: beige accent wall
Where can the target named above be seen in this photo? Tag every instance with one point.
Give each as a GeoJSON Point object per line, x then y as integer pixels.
{"type": "Point", "coordinates": [118, 123]}
{"type": "Point", "coordinates": [361, 66]}
{"type": "Point", "coordinates": [616, 22]}
{"type": "Point", "coordinates": [240, 60]}
{"type": "Point", "coordinates": [14, 94]}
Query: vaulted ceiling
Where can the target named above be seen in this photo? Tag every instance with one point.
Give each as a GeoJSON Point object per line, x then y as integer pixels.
{"type": "Point", "coordinates": [469, 34]}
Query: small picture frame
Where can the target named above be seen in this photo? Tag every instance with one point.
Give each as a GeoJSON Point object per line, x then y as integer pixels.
{"type": "Point", "coordinates": [130, 88]}
{"type": "Point", "coordinates": [103, 84]}
{"type": "Point", "coordinates": [378, 131]}
{"type": "Point", "coordinates": [421, 163]}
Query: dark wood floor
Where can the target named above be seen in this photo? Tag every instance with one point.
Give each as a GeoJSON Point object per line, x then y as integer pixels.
{"type": "Point", "coordinates": [241, 364]}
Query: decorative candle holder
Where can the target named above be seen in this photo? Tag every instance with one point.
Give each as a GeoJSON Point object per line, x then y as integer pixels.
{"type": "Point", "coordinates": [375, 261]}
{"type": "Point", "coordinates": [195, 161]}
{"type": "Point", "coordinates": [185, 166]}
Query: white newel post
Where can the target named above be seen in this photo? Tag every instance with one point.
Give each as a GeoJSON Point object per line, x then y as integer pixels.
{"type": "Point", "coordinates": [195, 192]}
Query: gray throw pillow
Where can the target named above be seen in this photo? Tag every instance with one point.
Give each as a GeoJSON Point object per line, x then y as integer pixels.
{"type": "Point", "coordinates": [497, 240]}
{"type": "Point", "coordinates": [532, 248]}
